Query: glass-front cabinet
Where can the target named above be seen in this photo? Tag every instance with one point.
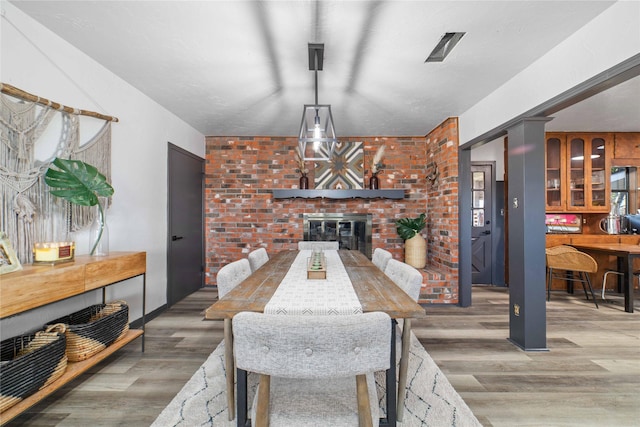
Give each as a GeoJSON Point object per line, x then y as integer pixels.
{"type": "Point", "coordinates": [578, 172]}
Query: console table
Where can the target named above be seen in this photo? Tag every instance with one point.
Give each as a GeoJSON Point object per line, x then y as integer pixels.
{"type": "Point", "coordinates": [38, 285]}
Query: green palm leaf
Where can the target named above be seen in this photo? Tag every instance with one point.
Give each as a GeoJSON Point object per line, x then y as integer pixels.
{"type": "Point", "coordinates": [77, 182]}
{"type": "Point", "coordinates": [409, 227]}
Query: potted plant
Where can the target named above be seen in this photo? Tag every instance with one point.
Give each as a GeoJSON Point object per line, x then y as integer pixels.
{"type": "Point", "coordinates": [81, 184]}
{"type": "Point", "coordinates": [415, 250]}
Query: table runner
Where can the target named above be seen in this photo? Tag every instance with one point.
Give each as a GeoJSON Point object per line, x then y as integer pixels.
{"type": "Point", "coordinates": [298, 295]}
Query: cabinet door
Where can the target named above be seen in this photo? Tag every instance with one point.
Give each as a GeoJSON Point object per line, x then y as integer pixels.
{"type": "Point", "coordinates": [555, 173]}
{"type": "Point", "coordinates": [589, 172]}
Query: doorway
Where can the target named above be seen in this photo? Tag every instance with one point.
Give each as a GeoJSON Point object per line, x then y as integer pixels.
{"type": "Point", "coordinates": [185, 263]}
{"type": "Point", "coordinates": [482, 216]}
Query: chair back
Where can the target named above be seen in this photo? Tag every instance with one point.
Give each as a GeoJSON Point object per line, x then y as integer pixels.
{"type": "Point", "coordinates": [258, 258]}
{"type": "Point", "coordinates": [571, 260]}
{"type": "Point", "coordinates": [230, 275]}
{"type": "Point", "coordinates": [309, 245]}
{"type": "Point", "coordinates": [312, 346]}
{"type": "Point", "coordinates": [380, 258]}
{"type": "Point", "coordinates": [405, 276]}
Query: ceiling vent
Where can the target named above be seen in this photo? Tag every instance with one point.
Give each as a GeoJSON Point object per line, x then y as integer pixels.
{"type": "Point", "coordinates": [444, 47]}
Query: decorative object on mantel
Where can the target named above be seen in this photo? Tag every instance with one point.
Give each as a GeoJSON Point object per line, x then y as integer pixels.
{"type": "Point", "coordinates": [433, 176]}
{"type": "Point", "coordinates": [317, 122]}
{"type": "Point", "coordinates": [302, 169]}
{"type": "Point", "coordinates": [81, 184]}
{"type": "Point", "coordinates": [415, 247]}
{"type": "Point", "coordinates": [344, 171]}
{"type": "Point", "coordinates": [30, 214]}
{"type": "Point", "coordinates": [8, 259]}
{"type": "Point", "coordinates": [376, 167]}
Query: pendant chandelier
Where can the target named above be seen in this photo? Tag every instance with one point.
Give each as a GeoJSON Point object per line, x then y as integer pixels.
{"type": "Point", "coordinates": [317, 122]}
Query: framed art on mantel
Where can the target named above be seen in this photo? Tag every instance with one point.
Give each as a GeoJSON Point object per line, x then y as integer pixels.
{"type": "Point", "coordinates": [345, 171]}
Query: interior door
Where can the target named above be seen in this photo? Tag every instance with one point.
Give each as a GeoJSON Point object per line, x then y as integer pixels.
{"type": "Point", "coordinates": [185, 262]}
{"type": "Point", "coordinates": [481, 222]}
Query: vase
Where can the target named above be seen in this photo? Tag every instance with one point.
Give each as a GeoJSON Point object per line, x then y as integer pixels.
{"type": "Point", "coordinates": [99, 232]}
{"type": "Point", "coordinates": [374, 182]}
{"type": "Point", "coordinates": [304, 182]}
{"type": "Point", "coordinates": [415, 251]}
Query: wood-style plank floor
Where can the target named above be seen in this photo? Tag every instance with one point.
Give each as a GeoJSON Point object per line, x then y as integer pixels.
{"type": "Point", "coordinates": [589, 377]}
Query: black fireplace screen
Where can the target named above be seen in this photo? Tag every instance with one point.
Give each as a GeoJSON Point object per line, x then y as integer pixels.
{"type": "Point", "coordinates": [352, 231]}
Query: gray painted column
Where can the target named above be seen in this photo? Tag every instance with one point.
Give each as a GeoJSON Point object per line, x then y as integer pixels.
{"type": "Point", "coordinates": [464, 228]}
{"type": "Point", "coordinates": [526, 207]}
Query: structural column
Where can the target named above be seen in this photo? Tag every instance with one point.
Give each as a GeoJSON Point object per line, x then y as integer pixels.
{"type": "Point", "coordinates": [526, 208]}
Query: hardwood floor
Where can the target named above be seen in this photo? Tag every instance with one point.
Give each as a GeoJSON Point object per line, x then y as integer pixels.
{"type": "Point", "coordinates": [589, 377]}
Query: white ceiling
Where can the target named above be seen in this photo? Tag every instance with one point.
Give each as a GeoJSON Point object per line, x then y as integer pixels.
{"type": "Point", "coordinates": [241, 67]}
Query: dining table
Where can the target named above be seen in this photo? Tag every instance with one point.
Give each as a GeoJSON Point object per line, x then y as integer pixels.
{"type": "Point", "coordinates": [625, 254]}
{"type": "Point", "coordinates": [352, 279]}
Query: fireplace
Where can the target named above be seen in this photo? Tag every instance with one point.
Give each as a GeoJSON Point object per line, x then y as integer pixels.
{"type": "Point", "coordinates": [351, 231]}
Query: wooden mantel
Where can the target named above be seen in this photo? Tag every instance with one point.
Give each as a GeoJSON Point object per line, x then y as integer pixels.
{"type": "Point", "coordinates": [339, 194]}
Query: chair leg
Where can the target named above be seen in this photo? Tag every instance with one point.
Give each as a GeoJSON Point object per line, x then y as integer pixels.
{"type": "Point", "coordinates": [262, 410]}
{"type": "Point", "coordinates": [364, 406]}
{"type": "Point", "coordinates": [229, 366]}
{"type": "Point", "coordinates": [591, 289]}
{"type": "Point", "coordinates": [404, 367]}
{"type": "Point", "coordinates": [604, 280]}
{"type": "Point", "coordinates": [549, 282]}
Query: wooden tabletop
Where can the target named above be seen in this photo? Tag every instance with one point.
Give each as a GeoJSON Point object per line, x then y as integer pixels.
{"type": "Point", "coordinates": [374, 289]}
{"type": "Point", "coordinates": [613, 248]}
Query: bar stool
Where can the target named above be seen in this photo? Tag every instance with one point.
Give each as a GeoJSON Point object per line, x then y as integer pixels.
{"type": "Point", "coordinates": [604, 279]}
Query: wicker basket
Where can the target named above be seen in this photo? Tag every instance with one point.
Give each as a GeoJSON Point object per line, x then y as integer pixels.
{"type": "Point", "coordinates": [30, 363]}
{"type": "Point", "coordinates": [94, 328]}
{"type": "Point", "coordinates": [415, 251]}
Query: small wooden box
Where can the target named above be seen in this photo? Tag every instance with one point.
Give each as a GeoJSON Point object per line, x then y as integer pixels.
{"type": "Point", "coordinates": [317, 270]}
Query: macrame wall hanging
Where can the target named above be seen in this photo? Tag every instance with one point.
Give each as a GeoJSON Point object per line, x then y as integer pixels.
{"type": "Point", "coordinates": [29, 213]}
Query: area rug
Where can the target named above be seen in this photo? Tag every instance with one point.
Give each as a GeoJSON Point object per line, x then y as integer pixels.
{"type": "Point", "coordinates": [430, 399]}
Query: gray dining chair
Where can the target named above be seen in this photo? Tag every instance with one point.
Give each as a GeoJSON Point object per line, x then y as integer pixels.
{"type": "Point", "coordinates": [258, 258]}
{"type": "Point", "coordinates": [380, 258]}
{"type": "Point", "coordinates": [309, 245]}
{"type": "Point", "coordinates": [314, 370]}
{"type": "Point", "coordinates": [230, 276]}
{"type": "Point", "coordinates": [409, 280]}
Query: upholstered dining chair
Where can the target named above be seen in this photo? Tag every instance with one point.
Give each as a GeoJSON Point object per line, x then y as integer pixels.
{"type": "Point", "coordinates": [409, 280]}
{"type": "Point", "coordinates": [309, 245]}
{"type": "Point", "coordinates": [257, 258]}
{"type": "Point", "coordinates": [230, 276]}
{"type": "Point", "coordinates": [571, 265]}
{"type": "Point", "coordinates": [314, 370]}
{"type": "Point", "coordinates": [380, 258]}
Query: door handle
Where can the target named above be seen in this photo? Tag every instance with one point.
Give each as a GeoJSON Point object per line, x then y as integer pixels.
{"type": "Point", "coordinates": [174, 238]}
{"type": "Point", "coordinates": [486, 233]}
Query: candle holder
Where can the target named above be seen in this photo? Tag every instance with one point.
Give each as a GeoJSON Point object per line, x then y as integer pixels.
{"type": "Point", "coordinates": [53, 252]}
{"type": "Point", "coordinates": [317, 266]}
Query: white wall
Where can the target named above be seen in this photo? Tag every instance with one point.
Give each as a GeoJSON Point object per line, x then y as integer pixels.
{"type": "Point", "coordinates": [37, 61]}
{"type": "Point", "coordinates": [492, 151]}
{"type": "Point", "coordinates": [606, 41]}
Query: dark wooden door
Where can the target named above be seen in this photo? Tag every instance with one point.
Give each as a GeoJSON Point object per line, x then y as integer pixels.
{"type": "Point", "coordinates": [185, 263]}
{"type": "Point", "coordinates": [481, 222]}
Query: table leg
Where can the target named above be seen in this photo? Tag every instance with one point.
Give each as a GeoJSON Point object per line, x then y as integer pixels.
{"type": "Point", "coordinates": [391, 382]}
{"type": "Point", "coordinates": [628, 284]}
{"type": "Point", "coordinates": [404, 366]}
{"type": "Point", "coordinates": [228, 364]}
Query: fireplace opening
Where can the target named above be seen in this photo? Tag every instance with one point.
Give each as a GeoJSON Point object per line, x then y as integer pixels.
{"type": "Point", "coordinates": [351, 231]}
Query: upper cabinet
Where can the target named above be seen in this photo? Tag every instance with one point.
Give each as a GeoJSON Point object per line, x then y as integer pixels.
{"type": "Point", "coordinates": [627, 149]}
{"type": "Point", "coordinates": [578, 170]}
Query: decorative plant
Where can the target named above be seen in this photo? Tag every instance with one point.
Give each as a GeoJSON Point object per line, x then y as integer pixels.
{"type": "Point", "coordinates": [81, 184]}
{"type": "Point", "coordinates": [302, 167]}
{"type": "Point", "coordinates": [409, 227]}
{"type": "Point", "coordinates": [376, 163]}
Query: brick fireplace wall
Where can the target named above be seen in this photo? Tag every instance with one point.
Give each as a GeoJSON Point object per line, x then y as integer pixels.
{"type": "Point", "coordinates": [241, 214]}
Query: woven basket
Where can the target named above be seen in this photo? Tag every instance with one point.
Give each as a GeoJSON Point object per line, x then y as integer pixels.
{"type": "Point", "coordinates": [91, 330]}
{"type": "Point", "coordinates": [30, 363]}
{"type": "Point", "coordinates": [415, 251]}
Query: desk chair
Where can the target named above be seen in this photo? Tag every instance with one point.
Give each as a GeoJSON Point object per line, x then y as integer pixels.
{"type": "Point", "coordinates": [258, 258]}
{"type": "Point", "coordinates": [230, 276]}
{"type": "Point", "coordinates": [380, 258]}
{"type": "Point", "coordinates": [573, 265]}
{"type": "Point", "coordinates": [314, 370]}
{"type": "Point", "coordinates": [326, 246]}
{"type": "Point", "coordinates": [409, 280]}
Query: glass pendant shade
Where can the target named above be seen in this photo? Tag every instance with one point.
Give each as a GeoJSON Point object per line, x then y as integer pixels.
{"type": "Point", "coordinates": [317, 130]}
